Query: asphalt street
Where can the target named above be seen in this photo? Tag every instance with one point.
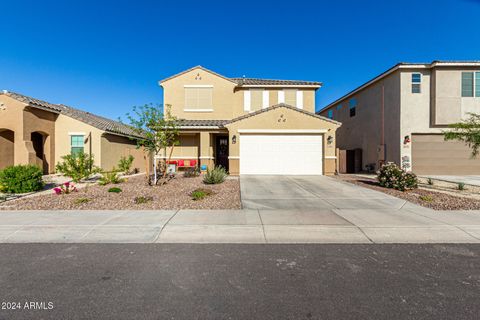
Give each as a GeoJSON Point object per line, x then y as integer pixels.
{"type": "Point", "coordinates": [225, 281]}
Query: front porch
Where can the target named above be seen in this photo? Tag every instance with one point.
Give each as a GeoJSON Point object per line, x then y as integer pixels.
{"type": "Point", "coordinates": [199, 148]}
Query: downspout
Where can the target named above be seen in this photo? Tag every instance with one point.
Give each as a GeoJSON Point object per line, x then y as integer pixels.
{"type": "Point", "coordinates": [382, 133]}
{"type": "Point", "coordinates": [90, 149]}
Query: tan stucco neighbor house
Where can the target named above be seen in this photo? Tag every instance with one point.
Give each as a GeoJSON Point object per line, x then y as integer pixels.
{"type": "Point", "coordinates": [399, 116]}
{"type": "Point", "coordinates": [33, 131]}
{"type": "Point", "coordinates": [250, 126]}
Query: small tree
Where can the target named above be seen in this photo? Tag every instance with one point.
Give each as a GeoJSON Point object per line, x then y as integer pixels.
{"type": "Point", "coordinates": [77, 166]}
{"type": "Point", "coordinates": [159, 132]}
{"type": "Point", "coordinates": [467, 131]}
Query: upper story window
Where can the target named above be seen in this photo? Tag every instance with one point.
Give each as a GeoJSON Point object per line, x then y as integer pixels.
{"type": "Point", "coordinates": [198, 98]}
{"type": "Point", "coordinates": [416, 82]}
{"type": "Point", "coordinates": [470, 84]}
{"type": "Point", "coordinates": [352, 105]}
{"type": "Point", "coordinates": [339, 107]}
{"type": "Point", "coordinates": [291, 97]}
{"type": "Point", "coordinates": [76, 144]}
{"type": "Point", "coordinates": [477, 84]}
{"type": "Point", "coordinates": [467, 84]}
{"type": "Point", "coordinates": [330, 114]}
{"type": "Point", "coordinates": [256, 99]}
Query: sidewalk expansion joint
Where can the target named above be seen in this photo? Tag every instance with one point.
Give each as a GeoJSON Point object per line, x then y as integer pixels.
{"type": "Point", "coordinates": [164, 225]}
{"type": "Point", "coordinates": [263, 226]}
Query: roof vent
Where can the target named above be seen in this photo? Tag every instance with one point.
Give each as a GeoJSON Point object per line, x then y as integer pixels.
{"type": "Point", "coordinates": [243, 78]}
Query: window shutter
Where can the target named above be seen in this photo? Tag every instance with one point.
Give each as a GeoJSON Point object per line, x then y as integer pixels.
{"type": "Point", "coordinates": [266, 98]}
{"type": "Point", "coordinates": [246, 100]}
{"type": "Point", "coordinates": [299, 99]}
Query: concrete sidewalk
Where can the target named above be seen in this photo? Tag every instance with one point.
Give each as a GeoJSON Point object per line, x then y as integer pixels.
{"type": "Point", "coordinates": [408, 225]}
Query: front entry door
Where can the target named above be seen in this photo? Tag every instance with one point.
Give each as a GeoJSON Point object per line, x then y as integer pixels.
{"type": "Point", "coordinates": [221, 154]}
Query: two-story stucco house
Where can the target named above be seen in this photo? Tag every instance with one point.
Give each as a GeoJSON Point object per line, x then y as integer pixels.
{"type": "Point", "coordinates": [399, 116]}
{"type": "Point", "coordinates": [250, 126]}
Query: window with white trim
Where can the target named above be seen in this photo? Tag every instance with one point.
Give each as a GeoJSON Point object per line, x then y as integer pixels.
{"type": "Point", "coordinates": [76, 144]}
{"type": "Point", "coordinates": [291, 97]}
{"type": "Point", "coordinates": [416, 83]}
{"type": "Point", "coordinates": [198, 98]}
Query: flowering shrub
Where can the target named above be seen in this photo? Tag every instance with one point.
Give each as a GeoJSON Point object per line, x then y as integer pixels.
{"type": "Point", "coordinates": [392, 176]}
{"type": "Point", "coordinates": [65, 188]}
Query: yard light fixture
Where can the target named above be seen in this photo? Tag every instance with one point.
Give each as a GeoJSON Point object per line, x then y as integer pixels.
{"type": "Point", "coordinates": [234, 139]}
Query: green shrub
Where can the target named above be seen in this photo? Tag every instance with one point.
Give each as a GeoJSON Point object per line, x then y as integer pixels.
{"type": "Point", "coordinates": [79, 166]}
{"type": "Point", "coordinates": [125, 164]}
{"type": "Point", "coordinates": [81, 200]}
{"type": "Point", "coordinates": [21, 179]}
{"type": "Point", "coordinates": [199, 194]}
{"type": "Point", "coordinates": [461, 186]}
{"type": "Point", "coordinates": [392, 176]}
{"type": "Point", "coordinates": [426, 198]}
{"type": "Point", "coordinates": [142, 199]}
{"type": "Point", "coordinates": [115, 190]}
{"type": "Point", "coordinates": [191, 172]}
{"type": "Point", "coordinates": [110, 177]}
{"type": "Point", "coordinates": [215, 176]}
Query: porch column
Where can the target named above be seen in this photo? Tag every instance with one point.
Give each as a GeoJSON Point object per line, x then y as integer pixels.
{"type": "Point", "coordinates": [206, 153]}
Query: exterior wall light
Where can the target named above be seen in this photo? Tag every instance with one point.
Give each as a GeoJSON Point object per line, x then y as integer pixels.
{"type": "Point", "coordinates": [234, 139]}
{"type": "Point", "coordinates": [330, 140]}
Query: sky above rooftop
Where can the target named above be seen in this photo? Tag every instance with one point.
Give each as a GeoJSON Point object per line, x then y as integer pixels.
{"type": "Point", "coordinates": [107, 56]}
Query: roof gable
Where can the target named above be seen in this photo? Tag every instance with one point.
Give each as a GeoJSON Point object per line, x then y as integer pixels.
{"type": "Point", "coordinates": [286, 106]}
{"type": "Point", "coordinates": [192, 69]}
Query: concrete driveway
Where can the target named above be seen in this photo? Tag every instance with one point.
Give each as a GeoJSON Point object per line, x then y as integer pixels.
{"type": "Point", "coordinates": [310, 192]}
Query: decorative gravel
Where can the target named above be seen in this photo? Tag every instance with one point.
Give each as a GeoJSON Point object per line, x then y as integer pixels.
{"type": "Point", "coordinates": [435, 200]}
{"type": "Point", "coordinates": [173, 195]}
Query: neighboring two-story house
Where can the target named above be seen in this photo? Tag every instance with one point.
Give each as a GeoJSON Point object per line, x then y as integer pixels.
{"type": "Point", "coordinates": [400, 115]}
{"type": "Point", "coordinates": [250, 126]}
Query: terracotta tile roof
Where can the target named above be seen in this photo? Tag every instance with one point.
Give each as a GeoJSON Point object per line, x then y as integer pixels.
{"type": "Point", "coordinates": [201, 123]}
{"type": "Point", "coordinates": [283, 105]}
{"type": "Point", "coordinates": [105, 124]}
{"type": "Point", "coordinates": [273, 82]}
{"type": "Point", "coordinates": [250, 81]}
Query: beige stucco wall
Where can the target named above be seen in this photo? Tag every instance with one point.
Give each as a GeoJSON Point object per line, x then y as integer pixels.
{"type": "Point", "coordinates": [224, 99]}
{"type": "Point", "coordinates": [294, 121]}
{"type": "Point", "coordinates": [449, 106]}
{"type": "Point", "coordinates": [113, 147]}
{"type": "Point", "coordinates": [65, 125]}
{"type": "Point", "coordinates": [440, 103]}
{"type": "Point", "coordinates": [228, 98]}
{"type": "Point", "coordinates": [23, 120]}
{"type": "Point", "coordinates": [363, 131]}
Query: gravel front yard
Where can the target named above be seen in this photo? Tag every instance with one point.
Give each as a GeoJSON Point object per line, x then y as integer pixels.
{"type": "Point", "coordinates": [426, 198]}
{"type": "Point", "coordinates": [174, 195]}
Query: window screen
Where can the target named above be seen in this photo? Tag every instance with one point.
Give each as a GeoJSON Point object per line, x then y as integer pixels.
{"type": "Point", "coordinates": [256, 99]}
{"type": "Point", "coordinates": [291, 97]}
{"type": "Point", "coordinates": [198, 98]}
{"type": "Point", "coordinates": [416, 82]}
{"type": "Point", "coordinates": [76, 144]}
{"type": "Point", "coordinates": [467, 84]}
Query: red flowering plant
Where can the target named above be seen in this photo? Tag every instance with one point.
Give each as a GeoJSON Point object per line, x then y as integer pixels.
{"type": "Point", "coordinates": [65, 188]}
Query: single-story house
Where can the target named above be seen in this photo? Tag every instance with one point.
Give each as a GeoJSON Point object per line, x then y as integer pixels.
{"type": "Point", "coordinates": [37, 132]}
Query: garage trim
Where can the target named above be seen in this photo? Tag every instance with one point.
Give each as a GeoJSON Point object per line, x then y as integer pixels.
{"type": "Point", "coordinates": [283, 131]}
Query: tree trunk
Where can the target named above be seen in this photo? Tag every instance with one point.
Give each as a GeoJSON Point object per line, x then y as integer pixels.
{"type": "Point", "coordinates": [167, 162]}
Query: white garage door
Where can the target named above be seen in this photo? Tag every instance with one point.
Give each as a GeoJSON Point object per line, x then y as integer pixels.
{"type": "Point", "coordinates": [287, 154]}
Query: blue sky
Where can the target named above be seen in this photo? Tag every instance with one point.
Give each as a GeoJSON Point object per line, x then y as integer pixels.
{"type": "Point", "coordinates": [107, 56]}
